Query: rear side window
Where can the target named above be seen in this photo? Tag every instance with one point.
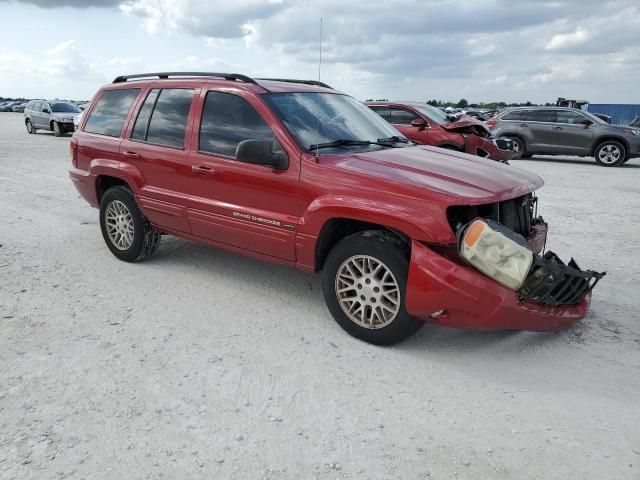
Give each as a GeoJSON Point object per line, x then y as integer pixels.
{"type": "Point", "coordinates": [110, 112]}
{"type": "Point", "coordinates": [515, 115]}
{"type": "Point", "coordinates": [163, 117]}
{"type": "Point", "coordinates": [399, 116]}
{"type": "Point", "coordinates": [541, 116]}
{"type": "Point", "coordinates": [227, 120]}
{"type": "Point", "coordinates": [382, 111]}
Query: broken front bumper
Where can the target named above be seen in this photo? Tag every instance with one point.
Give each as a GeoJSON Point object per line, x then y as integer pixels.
{"type": "Point", "coordinates": [465, 298]}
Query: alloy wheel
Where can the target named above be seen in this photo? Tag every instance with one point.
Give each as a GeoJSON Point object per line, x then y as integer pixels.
{"type": "Point", "coordinates": [367, 292]}
{"type": "Point", "coordinates": [120, 226]}
{"type": "Point", "coordinates": [609, 154]}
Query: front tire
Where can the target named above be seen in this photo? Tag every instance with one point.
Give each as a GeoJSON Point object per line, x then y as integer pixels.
{"type": "Point", "coordinates": [610, 154]}
{"type": "Point", "coordinates": [57, 131]}
{"type": "Point", "coordinates": [30, 128]}
{"type": "Point", "coordinates": [519, 148]}
{"type": "Point", "coordinates": [125, 229]}
{"type": "Point", "coordinates": [364, 281]}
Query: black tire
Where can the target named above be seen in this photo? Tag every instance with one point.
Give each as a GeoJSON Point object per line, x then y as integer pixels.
{"type": "Point", "coordinates": [606, 151]}
{"type": "Point", "coordinates": [145, 238]}
{"type": "Point", "coordinates": [394, 254]}
{"type": "Point", "coordinates": [57, 131]}
{"type": "Point", "coordinates": [522, 153]}
{"type": "Point", "coordinates": [30, 128]}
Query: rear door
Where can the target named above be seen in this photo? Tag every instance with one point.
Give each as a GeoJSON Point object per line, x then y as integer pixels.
{"type": "Point", "coordinates": [570, 135]}
{"type": "Point", "coordinates": [36, 115]}
{"type": "Point", "coordinates": [156, 148]}
{"type": "Point", "coordinates": [537, 129]}
{"type": "Point", "coordinates": [247, 206]}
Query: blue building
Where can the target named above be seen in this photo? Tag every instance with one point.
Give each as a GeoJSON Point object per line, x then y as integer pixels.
{"type": "Point", "coordinates": [620, 114]}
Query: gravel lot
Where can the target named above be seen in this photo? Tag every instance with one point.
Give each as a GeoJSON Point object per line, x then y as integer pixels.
{"type": "Point", "coordinates": [203, 364]}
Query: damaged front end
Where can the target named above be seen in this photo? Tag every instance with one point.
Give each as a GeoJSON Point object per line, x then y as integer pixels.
{"type": "Point", "coordinates": [504, 255]}
{"type": "Point", "coordinates": [480, 142]}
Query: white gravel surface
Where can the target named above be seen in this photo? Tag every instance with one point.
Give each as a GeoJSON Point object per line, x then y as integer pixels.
{"type": "Point", "coordinates": [204, 364]}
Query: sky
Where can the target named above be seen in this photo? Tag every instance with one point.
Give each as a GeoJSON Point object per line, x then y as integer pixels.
{"type": "Point", "coordinates": [481, 50]}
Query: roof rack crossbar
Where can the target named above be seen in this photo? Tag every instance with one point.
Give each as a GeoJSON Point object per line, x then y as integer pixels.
{"type": "Point", "coordinates": [164, 75]}
{"type": "Point", "coordinates": [289, 80]}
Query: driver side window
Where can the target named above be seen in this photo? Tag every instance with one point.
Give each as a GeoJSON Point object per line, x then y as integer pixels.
{"type": "Point", "coordinates": [227, 120]}
{"type": "Point", "coordinates": [400, 116]}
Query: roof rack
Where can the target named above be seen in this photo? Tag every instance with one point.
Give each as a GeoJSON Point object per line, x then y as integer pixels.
{"type": "Point", "coordinates": [289, 80]}
{"type": "Point", "coordinates": [164, 75]}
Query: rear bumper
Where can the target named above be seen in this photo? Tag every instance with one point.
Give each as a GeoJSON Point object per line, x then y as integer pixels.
{"type": "Point", "coordinates": [85, 183]}
{"type": "Point", "coordinates": [471, 300]}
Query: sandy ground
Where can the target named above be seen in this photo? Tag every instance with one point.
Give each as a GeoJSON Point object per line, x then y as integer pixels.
{"type": "Point", "coordinates": [204, 364]}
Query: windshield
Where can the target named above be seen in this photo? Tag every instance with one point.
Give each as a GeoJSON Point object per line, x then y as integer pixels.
{"type": "Point", "coordinates": [64, 107]}
{"type": "Point", "coordinates": [319, 118]}
{"type": "Point", "coordinates": [432, 113]}
{"type": "Point", "coordinates": [594, 118]}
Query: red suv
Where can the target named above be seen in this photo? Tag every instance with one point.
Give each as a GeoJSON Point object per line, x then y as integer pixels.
{"type": "Point", "coordinates": [298, 173]}
{"type": "Point", "coordinates": [427, 125]}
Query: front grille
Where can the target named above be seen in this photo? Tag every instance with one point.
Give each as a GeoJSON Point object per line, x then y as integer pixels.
{"type": "Point", "coordinates": [516, 214]}
{"type": "Point", "coordinates": [551, 282]}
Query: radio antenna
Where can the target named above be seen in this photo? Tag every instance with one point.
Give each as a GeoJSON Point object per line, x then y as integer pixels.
{"type": "Point", "coordinates": [318, 96]}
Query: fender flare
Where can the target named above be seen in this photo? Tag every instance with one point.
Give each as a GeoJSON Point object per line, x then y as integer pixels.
{"type": "Point", "coordinates": [114, 168]}
{"type": "Point", "coordinates": [424, 222]}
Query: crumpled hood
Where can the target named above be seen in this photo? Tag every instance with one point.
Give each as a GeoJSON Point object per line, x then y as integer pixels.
{"type": "Point", "coordinates": [461, 178]}
{"type": "Point", "coordinates": [464, 121]}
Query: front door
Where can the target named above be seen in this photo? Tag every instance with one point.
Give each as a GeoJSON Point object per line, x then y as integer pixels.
{"type": "Point", "coordinates": [156, 148]}
{"type": "Point", "coordinates": [248, 206]}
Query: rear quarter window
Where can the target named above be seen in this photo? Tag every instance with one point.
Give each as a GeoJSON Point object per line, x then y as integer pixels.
{"type": "Point", "coordinates": [110, 112]}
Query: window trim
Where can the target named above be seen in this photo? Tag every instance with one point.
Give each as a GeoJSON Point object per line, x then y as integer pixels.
{"type": "Point", "coordinates": [146, 132]}
{"type": "Point", "coordinates": [221, 155]}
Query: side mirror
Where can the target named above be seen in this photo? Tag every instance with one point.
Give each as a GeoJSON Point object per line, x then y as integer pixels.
{"type": "Point", "coordinates": [586, 122]}
{"type": "Point", "coordinates": [418, 123]}
{"type": "Point", "coordinates": [262, 152]}
{"type": "Point", "coordinates": [45, 110]}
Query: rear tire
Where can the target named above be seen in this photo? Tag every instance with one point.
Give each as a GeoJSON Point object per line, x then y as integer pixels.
{"type": "Point", "coordinates": [30, 128]}
{"type": "Point", "coordinates": [125, 229]}
{"type": "Point", "coordinates": [519, 147]}
{"type": "Point", "coordinates": [364, 281]}
{"type": "Point", "coordinates": [57, 131]}
{"type": "Point", "coordinates": [610, 153]}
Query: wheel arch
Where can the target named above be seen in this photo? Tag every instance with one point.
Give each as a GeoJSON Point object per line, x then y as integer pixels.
{"type": "Point", "coordinates": [610, 138]}
{"type": "Point", "coordinates": [336, 229]}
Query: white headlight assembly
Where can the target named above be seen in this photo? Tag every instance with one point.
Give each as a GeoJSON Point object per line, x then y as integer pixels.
{"type": "Point", "coordinates": [496, 251]}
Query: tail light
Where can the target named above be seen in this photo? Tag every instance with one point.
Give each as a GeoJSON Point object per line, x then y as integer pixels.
{"type": "Point", "coordinates": [490, 123]}
{"type": "Point", "coordinates": [73, 147]}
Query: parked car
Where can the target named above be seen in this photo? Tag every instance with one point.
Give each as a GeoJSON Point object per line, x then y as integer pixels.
{"type": "Point", "coordinates": [566, 131]}
{"type": "Point", "coordinates": [297, 173]}
{"type": "Point", "coordinates": [427, 125]}
{"type": "Point", "coordinates": [477, 114]}
{"type": "Point", "coordinates": [55, 116]}
{"type": "Point", "coordinates": [635, 122]}
{"type": "Point", "coordinates": [77, 119]}
{"type": "Point", "coordinates": [19, 107]}
{"type": "Point", "coordinates": [6, 107]}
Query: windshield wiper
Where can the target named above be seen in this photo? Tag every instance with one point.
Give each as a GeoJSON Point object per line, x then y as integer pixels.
{"type": "Point", "coordinates": [348, 142]}
{"type": "Point", "coordinates": [393, 139]}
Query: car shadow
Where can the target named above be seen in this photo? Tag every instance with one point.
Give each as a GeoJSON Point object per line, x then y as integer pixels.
{"type": "Point", "coordinates": [586, 161]}
{"type": "Point", "coordinates": [274, 280]}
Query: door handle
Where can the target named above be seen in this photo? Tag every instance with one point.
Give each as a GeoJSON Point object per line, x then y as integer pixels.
{"type": "Point", "coordinates": [131, 155]}
{"type": "Point", "coordinates": [524, 125]}
{"type": "Point", "coordinates": [558, 128]}
{"type": "Point", "coordinates": [203, 170]}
